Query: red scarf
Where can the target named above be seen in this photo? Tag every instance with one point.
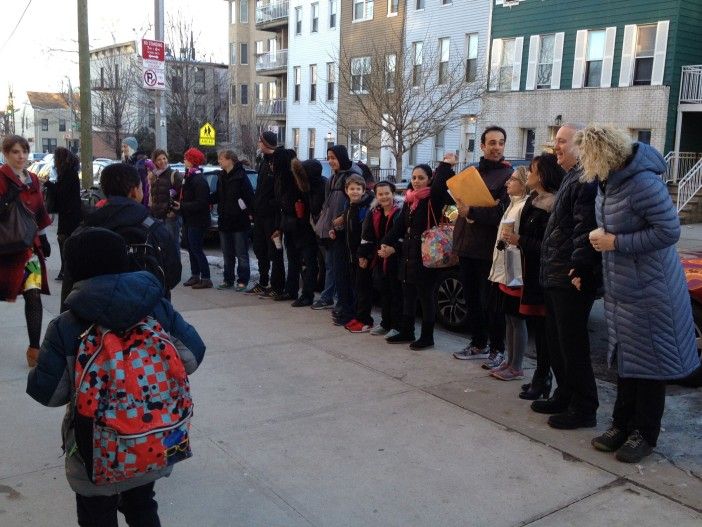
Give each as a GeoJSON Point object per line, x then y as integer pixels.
{"type": "Point", "coordinates": [413, 197]}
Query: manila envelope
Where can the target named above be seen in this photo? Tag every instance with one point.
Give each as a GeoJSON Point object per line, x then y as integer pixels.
{"type": "Point", "coordinates": [468, 187]}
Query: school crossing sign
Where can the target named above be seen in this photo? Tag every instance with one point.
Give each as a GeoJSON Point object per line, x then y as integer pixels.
{"type": "Point", "coordinates": [207, 135]}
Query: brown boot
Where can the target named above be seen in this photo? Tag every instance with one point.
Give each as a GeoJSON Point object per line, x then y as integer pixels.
{"type": "Point", "coordinates": [32, 356]}
{"type": "Point", "coordinates": [204, 283]}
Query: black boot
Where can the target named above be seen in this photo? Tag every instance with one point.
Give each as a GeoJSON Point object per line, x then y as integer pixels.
{"type": "Point", "coordinates": [406, 333]}
{"type": "Point", "coordinates": [537, 388]}
{"type": "Point", "coordinates": [426, 339]}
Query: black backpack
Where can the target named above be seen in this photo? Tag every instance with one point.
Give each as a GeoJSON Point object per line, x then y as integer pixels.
{"type": "Point", "coordinates": [145, 253]}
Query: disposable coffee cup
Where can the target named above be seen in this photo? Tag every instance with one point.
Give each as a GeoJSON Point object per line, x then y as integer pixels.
{"type": "Point", "coordinates": [508, 226]}
{"type": "Point", "coordinates": [278, 242]}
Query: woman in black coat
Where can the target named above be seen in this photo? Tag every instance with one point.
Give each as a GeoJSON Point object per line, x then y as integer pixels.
{"type": "Point", "coordinates": [418, 282]}
{"type": "Point", "coordinates": [67, 194]}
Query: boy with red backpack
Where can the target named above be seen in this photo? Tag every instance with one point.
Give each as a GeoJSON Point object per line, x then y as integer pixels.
{"type": "Point", "coordinates": [127, 353]}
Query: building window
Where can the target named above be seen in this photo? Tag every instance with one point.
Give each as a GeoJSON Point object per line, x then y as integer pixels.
{"type": "Point", "coordinates": [199, 82]}
{"type": "Point", "coordinates": [332, 14]}
{"type": "Point", "coordinates": [315, 17]}
{"type": "Point", "coordinates": [594, 58]}
{"type": "Point", "coordinates": [244, 11]}
{"type": "Point", "coordinates": [446, 2]}
{"type": "Point", "coordinates": [232, 12]}
{"type": "Point", "coordinates": [48, 145]}
{"type": "Point", "coordinates": [529, 143]}
{"type": "Point", "coordinates": [643, 136]}
{"type": "Point", "coordinates": [390, 71]}
{"type": "Point", "coordinates": [102, 77]}
{"type": "Point", "coordinates": [298, 79]}
{"type": "Point", "coordinates": [471, 57]}
{"type": "Point", "coordinates": [419, 4]}
{"type": "Point", "coordinates": [116, 85]}
{"type": "Point", "coordinates": [296, 138]}
{"type": "Point", "coordinates": [362, 10]}
{"type": "Point", "coordinates": [357, 145]}
{"type": "Point", "coordinates": [232, 53]}
{"type": "Point", "coordinates": [643, 63]}
{"type": "Point", "coordinates": [311, 140]}
{"type": "Point", "coordinates": [417, 63]}
{"type": "Point", "coordinates": [506, 65]}
{"type": "Point", "coordinates": [298, 21]}
{"type": "Point", "coordinates": [413, 155]}
{"type": "Point", "coordinates": [44, 125]}
{"type": "Point", "coordinates": [244, 94]}
{"type": "Point", "coordinates": [393, 7]}
{"type": "Point", "coordinates": [360, 72]}
{"type": "Point", "coordinates": [313, 82]}
{"type": "Point", "coordinates": [544, 69]}
{"type": "Point", "coordinates": [233, 94]}
{"type": "Point", "coordinates": [331, 81]}
{"type": "Point", "coordinates": [439, 140]}
{"type": "Point", "coordinates": [444, 47]}
{"type": "Point", "coordinates": [244, 53]}
{"type": "Point", "coordinates": [259, 47]}
{"type": "Point", "coordinates": [272, 91]}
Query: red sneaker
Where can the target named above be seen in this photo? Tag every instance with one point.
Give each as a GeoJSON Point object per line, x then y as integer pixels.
{"type": "Point", "coordinates": [352, 324]}
{"type": "Point", "coordinates": [360, 328]}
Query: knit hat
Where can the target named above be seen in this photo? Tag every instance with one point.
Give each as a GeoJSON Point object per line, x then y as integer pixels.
{"type": "Point", "coordinates": [269, 140]}
{"type": "Point", "coordinates": [194, 157]}
{"type": "Point", "coordinates": [131, 142]}
{"type": "Point", "coordinates": [95, 251]}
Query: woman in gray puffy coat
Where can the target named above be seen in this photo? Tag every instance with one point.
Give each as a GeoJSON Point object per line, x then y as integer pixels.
{"type": "Point", "coordinates": [647, 306]}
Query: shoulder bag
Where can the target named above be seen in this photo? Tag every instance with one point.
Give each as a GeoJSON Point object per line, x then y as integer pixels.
{"type": "Point", "coordinates": [437, 243]}
{"type": "Point", "coordinates": [17, 224]}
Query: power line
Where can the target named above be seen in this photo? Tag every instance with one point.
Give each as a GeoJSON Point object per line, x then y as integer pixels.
{"type": "Point", "coordinates": [16, 25]}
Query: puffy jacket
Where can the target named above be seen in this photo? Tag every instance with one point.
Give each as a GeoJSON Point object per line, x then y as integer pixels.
{"type": "Point", "coordinates": [117, 302]}
{"type": "Point", "coordinates": [232, 187]}
{"type": "Point", "coordinates": [566, 244]}
{"type": "Point", "coordinates": [354, 217]}
{"type": "Point", "coordinates": [195, 201]}
{"type": "Point", "coordinates": [474, 236]}
{"type": "Point", "coordinates": [161, 191]}
{"type": "Point", "coordinates": [375, 227]}
{"type": "Point", "coordinates": [335, 202]}
{"type": "Point", "coordinates": [647, 304]}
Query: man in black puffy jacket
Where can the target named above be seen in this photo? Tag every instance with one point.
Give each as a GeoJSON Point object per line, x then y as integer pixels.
{"type": "Point", "coordinates": [571, 274]}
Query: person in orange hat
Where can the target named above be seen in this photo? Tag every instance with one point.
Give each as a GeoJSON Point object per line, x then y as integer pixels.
{"type": "Point", "coordinates": [194, 206]}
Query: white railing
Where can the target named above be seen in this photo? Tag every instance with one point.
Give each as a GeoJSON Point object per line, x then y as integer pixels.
{"type": "Point", "coordinates": [272, 60]}
{"type": "Point", "coordinates": [679, 163]}
{"type": "Point", "coordinates": [689, 185]}
{"type": "Point", "coordinates": [271, 11]}
{"type": "Point", "coordinates": [273, 108]}
{"type": "Point", "coordinates": [691, 84]}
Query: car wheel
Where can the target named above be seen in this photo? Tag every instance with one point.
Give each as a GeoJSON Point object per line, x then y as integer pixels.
{"type": "Point", "coordinates": [451, 309]}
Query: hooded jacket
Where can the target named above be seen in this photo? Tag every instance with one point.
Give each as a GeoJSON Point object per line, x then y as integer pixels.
{"type": "Point", "coordinates": [375, 227]}
{"type": "Point", "coordinates": [161, 191]}
{"type": "Point", "coordinates": [117, 302]}
{"type": "Point", "coordinates": [354, 217]}
{"type": "Point", "coordinates": [647, 304]}
{"type": "Point", "coordinates": [231, 187]}
{"type": "Point", "coordinates": [195, 201]}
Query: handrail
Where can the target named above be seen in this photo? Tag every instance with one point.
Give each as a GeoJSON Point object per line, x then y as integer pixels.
{"type": "Point", "coordinates": [691, 84]}
{"type": "Point", "coordinates": [271, 107]}
{"type": "Point", "coordinates": [689, 185]}
{"type": "Point", "coordinates": [679, 163]}
{"type": "Point", "coordinates": [272, 60]}
{"type": "Point", "coordinates": [271, 11]}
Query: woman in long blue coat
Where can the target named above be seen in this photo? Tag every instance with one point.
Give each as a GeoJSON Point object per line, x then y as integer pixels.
{"type": "Point", "coordinates": [647, 305]}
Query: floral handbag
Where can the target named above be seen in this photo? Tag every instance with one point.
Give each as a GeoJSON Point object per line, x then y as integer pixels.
{"type": "Point", "coordinates": [437, 244]}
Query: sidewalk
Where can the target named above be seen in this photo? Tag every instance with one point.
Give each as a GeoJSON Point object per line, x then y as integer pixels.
{"type": "Point", "coordinates": [298, 422]}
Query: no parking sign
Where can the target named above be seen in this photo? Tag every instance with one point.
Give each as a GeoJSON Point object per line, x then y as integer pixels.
{"type": "Point", "coordinates": [153, 56]}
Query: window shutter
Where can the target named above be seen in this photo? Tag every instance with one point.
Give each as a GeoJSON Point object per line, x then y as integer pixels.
{"type": "Point", "coordinates": [659, 54]}
{"type": "Point", "coordinates": [517, 66]}
{"type": "Point", "coordinates": [533, 62]}
{"type": "Point", "coordinates": [608, 59]}
{"type": "Point", "coordinates": [495, 59]}
{"type": "Point", "coordinates": [628, 55]}
{"type": "Point", "coordinates": [557, 61]}
{"type": "Point", "coordinates": [579, 61]}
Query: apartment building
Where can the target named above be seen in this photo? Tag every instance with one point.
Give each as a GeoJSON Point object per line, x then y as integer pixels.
{"type": "Point", "coordinates": [49, 122]}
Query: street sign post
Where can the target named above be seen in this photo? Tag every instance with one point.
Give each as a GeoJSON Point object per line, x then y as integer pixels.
{"type": "Point", "coordinates": [207, 135]}
{"type": "Point", "coordinates": [153, 56]}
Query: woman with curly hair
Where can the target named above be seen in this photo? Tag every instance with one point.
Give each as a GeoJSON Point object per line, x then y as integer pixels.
{"type": "Point", "coordinates": [647, 307]}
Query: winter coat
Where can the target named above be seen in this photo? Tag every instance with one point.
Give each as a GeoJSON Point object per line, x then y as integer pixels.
{"type": "Point", "coordinates": [195, 201]}
{"type": "Point", "coordinates": [299, 229]}
{"type": "Point", "coordinates": [161, 191]}
{"type": "Point", "coordinates": [647, 304]}
{"type": "Point", "coordinates": [442, 173]}
{"type": "Point", "coordinates": [513, 212]}
{"type": "Point", "coordinates": [68, 204]}
{"type": "Point", "coordinates": [474, 236]}
{"type": "Point", "coordinates": [138, 161]}
{"type": "Point", "coordinates": [117, 302]}
{"type": "Point", "coordinates": [232, 187]}
{"type": "Point", "coordinates": [12, 265]}
{"type": "Point", "coordinates": [265, 204]}
{"type": "Point", "coordinates": [532, 225]}
{"type": "Point", "coordinates": [375, 227]}
{"type": "Point", "coordinates": [354, 217]}
{"type": "Point", "coordinates": [566, 244]}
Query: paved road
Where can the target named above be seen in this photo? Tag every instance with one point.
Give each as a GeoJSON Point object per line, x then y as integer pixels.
{"type": "Point", "coordinates": [299, 423]}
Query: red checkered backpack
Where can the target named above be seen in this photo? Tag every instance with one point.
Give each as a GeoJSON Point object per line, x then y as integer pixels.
{"type": "Point", "coordinates": [132, 405]}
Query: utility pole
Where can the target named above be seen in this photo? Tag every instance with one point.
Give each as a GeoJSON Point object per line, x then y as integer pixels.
{"type": "Point", "coordinates": [86, 114]}
{"type": "Point", "coordinates": [160, 132]}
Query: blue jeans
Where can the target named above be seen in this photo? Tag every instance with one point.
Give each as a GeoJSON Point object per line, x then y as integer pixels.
{"type": "Point", "coordinates": [327, 295]}
{"type": "Point", "coordinates": [198, 260]}
{"type": "Point", "coordinates": [235, 246]}
{"type": "Point", "coordinates": [174, 226]}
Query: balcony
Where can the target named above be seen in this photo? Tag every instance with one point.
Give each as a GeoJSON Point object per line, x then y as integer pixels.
{"type": "Point", "coordinates": [274, 108]}
{"type": "Point", "coordinates": [691, 84]}
{"type": "Point", "coordinates": [272, 62]}
{"type": "Point", "coordinates": [271, 14]}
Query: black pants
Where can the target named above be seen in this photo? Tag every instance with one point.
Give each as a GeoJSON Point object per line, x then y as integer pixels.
{"type": "Point", "coordinates": [138, 506]}
{"type": "Point", "coordinates": [363, 278]}
{"type": "Point", "coordinates": [270, 259]}
{"type": "Point", "coordinates": [391, 299]}
{"type": "Point", "coordinates": [537, 328]}
{"type": "Point", "coordinates": [567, 314]}
{"type": "Point", "coordinates": [425, 292]}
{"type": "Point", "coordinates": [346, 299]}
{"type": "Point", "coordinates": [639, 406]}
{"type": "Point", "coordinates": [485, 325]}
{"type": "Point", "coordinates": [301, 261]}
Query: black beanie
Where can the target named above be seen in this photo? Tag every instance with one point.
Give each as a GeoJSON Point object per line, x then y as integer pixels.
{"type": "Point", "coordinates": [269, 139]}
{"type": "Point", "coordinates": [95, 251]}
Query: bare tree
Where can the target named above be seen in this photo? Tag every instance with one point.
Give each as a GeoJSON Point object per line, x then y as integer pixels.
{"type": "Point", "coordinates": [402, 94]}
{"type": "Point", "coordinates": [248, 122]}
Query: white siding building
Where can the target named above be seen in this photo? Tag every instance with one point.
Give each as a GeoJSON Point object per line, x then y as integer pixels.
{"type": "Point", "coordinates": [312, 90]}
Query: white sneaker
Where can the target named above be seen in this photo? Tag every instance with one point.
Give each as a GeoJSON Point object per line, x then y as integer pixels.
{"type": "Point", "coordinates": [378, 330]}
{"type": "Point", "coordinates": [391, 333]}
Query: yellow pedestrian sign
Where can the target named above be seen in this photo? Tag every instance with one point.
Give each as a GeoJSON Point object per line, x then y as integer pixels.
{"type": "Point", "coordinates": [207, 135]}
